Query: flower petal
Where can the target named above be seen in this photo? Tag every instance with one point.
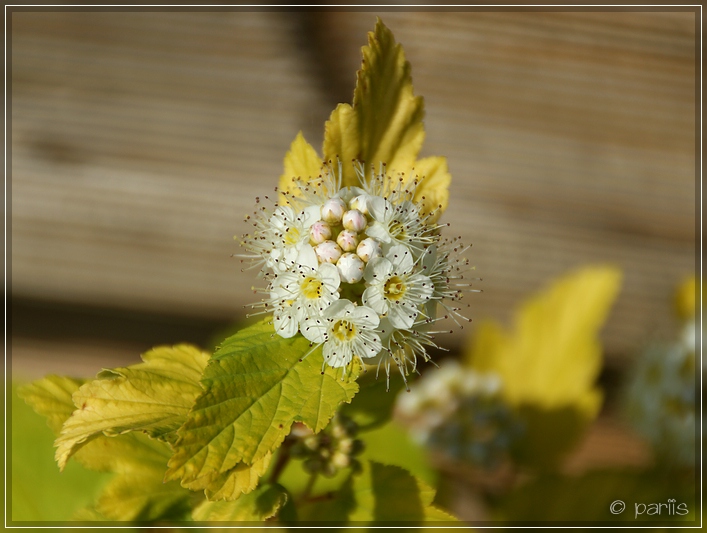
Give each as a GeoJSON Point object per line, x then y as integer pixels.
{"type": "Point", "coordinates": [373, 298]}
{"type": "Point", "coordinates": [365, 317]}
{"type": "Point", "coordinates": [314, 330]}
{"type": "Point", "coordinates": [401, 315]}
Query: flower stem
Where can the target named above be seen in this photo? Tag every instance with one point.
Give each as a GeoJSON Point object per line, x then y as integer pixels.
{"type": "Point", "coordinates": [308, 488]}
{"type": "Point", "coordinates": [283, 457]}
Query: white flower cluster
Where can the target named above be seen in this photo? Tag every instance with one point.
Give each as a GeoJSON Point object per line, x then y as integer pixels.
{"type": "Point", "coordinates": [460, 412]}
{"type": "Point", "coordinates": [662, 398]}
{"type": "Point", "coordinates": [357, 270]}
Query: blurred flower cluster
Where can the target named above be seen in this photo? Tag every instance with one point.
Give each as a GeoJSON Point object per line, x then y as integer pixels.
{"type": "Point", "coordinates": [526, 394]}
{"type": "Point", "coordinates": [461, 412]}
{"type": "Point", "coordinates": [661, 396]}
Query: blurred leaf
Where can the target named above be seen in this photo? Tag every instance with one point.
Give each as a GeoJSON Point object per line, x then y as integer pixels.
{"type": "Point", "coordinates": [141, 495]}
{"type": "Point", "coordinates": [137, 492]}
{"type": "Point", "coordinates": [589, 498]}
{"type": "Point", "coordinates": [259, 505]}
{"type": "Point", "coordinates": [39, 491]}
{"type": "Point", "coordinates": [256, 387]}
{"type": "Point", "coordinates": [686, 298]}
{"type": "Point", "coordinates": [51, 398]}
{"type": "Point", "coordinates": [391, 444]}
{"type": "Point", "coordinates": [154, 396]}
{"type": "Point", "coordinates": [373, 405]}
{"type": "Point", "coordinates": [380, 493]}
{"type": "Point", "coordinates": [334, 505]}
{"type": "Point", "coordinates": [550, 362]}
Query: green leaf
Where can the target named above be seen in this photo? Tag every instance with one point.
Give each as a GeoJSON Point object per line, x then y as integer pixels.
{"type": "Point", "coordinates": [373, 405]}
{"type": "Point", "coordinates": [256, 387]}
{"type": "Point", "coordinates": [141, 495]}
{"type": "Point", "coordinates": [39, 492]}
{"type": "Point", "coordinates": [335, 505]}
{"type": "Point", "coordinates": [380, 493]}
{"type": "Point", "coordinates": [137, 492]}
{"type": "Point", "coordinates": [154, 397]}
{"type": "Point", "coordinates": [259, 505]}
{"type": "Point", "coordinates": [391, 444]}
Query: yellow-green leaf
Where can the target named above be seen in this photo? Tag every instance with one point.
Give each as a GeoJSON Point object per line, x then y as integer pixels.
{"type": "Point", "coordinates": [432, 192]}
{"type": "Point", "coordinates": [137, 492]}
{"type": "Point", "coordinates": [342, 142]}
{"type": "Point", "coordinates": [259, 505]}
{"type": "Point", "coordinates": [241, 479]}
{"type": "Point", "coordinates": [256, 387]}
{"type": "Point", "coordinates": [154, 396]}
{"type": "Point", "coordinates": [51, 398]}
{"type": "Point", "coordinates": [301, 163]}
{"type": "Point", "coordinates": [140, 494]}
{"type": "Point", "coordinates": [550, 361]}
{"type": "Point", "coordinates": [389, 114]}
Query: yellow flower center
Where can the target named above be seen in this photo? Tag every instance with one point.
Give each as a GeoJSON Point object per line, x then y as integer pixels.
{"type": "Point", "coordinates": [397, 230]}
{"type": "Point", "coordinates": [311, 288]}
{"type": "Point", "coordinates": [344, 330]}
{"type": "Point", "coordinates": [292, 236]}
{"type": "Point", "coordinates": [394, 289]}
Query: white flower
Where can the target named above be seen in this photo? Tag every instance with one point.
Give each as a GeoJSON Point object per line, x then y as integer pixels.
{"type": "Point", "coordinates": [358, 270]}
{"type": "Point", "coordinates": [346, 331]}
{"type": "Point", "coordinates": [394, 288]}
{"type": "Point", "coordinates": [399, 223]}
{"type": "Point", "coordinates": [305, 291]}
{"type": "Point", "coordinates": [289, 233]}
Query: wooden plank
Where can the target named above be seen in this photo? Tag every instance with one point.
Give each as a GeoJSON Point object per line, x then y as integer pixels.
{"type": "Point", "coordinates": [141, 139]}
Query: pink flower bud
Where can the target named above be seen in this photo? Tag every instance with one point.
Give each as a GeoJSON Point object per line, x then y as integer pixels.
{"type": "Point", "coordinates": [369, 249]}
{"type": "Point", "coordinates": [354, 220]}
{"type": "Point", "coordinates": [332, 210]}
{"type": "Point", "coordinates": [348, 240]}
{"type": "Point", "coordinates": [328, 252]}
{"type": "Point", "coordinates": [319, 232]}
{"type": "Point", "coordinates": [350, 268]}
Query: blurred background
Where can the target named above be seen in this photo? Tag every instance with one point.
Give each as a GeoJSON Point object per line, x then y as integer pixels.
{"type": "Point", "coordinates": [139, 140]}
